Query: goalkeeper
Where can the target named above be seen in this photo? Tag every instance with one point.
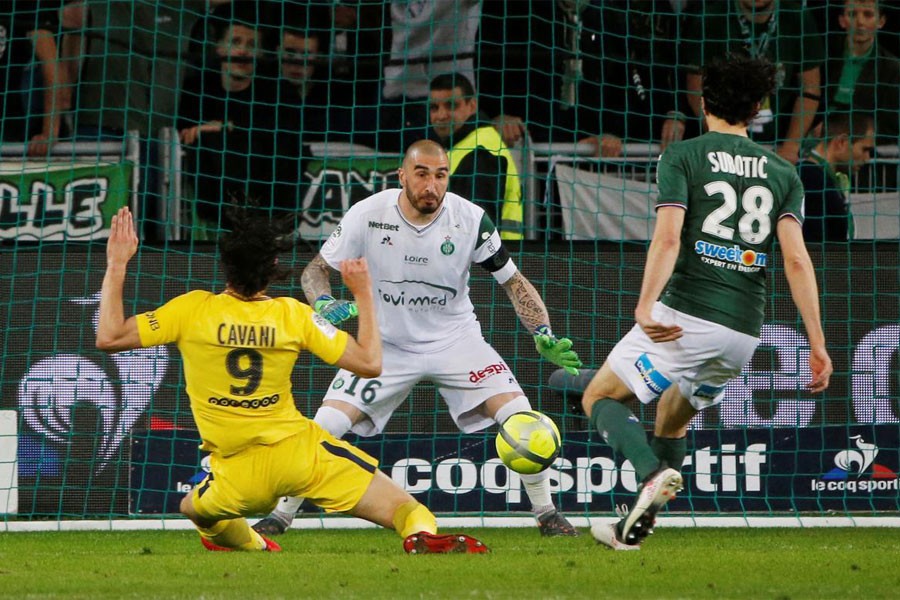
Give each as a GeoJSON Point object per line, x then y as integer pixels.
{"type": "Point", "coordinates": [419, 242]}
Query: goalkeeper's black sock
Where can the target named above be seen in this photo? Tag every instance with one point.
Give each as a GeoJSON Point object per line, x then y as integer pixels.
{"type": "Point", "coordinates": [625, 434]}
{"type": "Point", "coordinates": [670, 451]}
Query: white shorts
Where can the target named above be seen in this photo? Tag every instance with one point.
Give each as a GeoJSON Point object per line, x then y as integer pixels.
{"type": "Point", "coordinates": [701, 362]}
{"type": "Point", "coordinates": [465, 374]}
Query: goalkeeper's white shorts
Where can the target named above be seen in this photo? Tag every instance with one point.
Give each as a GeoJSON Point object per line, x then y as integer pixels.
{"type": "Point", "coordinates": [700, 363]}
{"type": "Point", "coordinates": [465, 374]}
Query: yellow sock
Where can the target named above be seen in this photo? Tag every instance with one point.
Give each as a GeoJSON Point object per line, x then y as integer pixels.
{"type": "Point", "coordinates": [235, 534]}
{"type": "Point", "coordinates": [412, 517]}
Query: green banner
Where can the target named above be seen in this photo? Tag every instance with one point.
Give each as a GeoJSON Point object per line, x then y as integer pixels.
{"type": "Point", "coordinates": [59, 202]}
{"type": "Point", "coordinates": [335, 184]}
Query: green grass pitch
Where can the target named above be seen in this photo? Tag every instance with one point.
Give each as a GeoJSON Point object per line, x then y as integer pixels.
{"type": "Point", "coordinates": [674, 563]}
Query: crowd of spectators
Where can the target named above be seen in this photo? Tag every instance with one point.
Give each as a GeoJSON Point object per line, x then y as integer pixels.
{"type": "Point", "coordinates": [249, 84]}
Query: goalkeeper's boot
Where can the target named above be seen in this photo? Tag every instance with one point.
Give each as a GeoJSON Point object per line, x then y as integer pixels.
{"type": "Point", "coordinates": [554, 524]}
{"type": "Point", "coordinates": [271, 546]}
{"type": "Point", "coordinates": [275, 524]}
{"type": "Point", "coordinates": [448, 543]}
{"type": "Point", "coordinates": [657, 489]}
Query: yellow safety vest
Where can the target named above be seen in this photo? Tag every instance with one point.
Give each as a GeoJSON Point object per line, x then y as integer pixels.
{"type": "Point", "coordinates": [511, 213]}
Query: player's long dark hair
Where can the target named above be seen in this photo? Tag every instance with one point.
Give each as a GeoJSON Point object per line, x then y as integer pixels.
{"type": "Point", "coordinates": [735, 86]}
{"type": "Point", "coordinates": [249, 252]}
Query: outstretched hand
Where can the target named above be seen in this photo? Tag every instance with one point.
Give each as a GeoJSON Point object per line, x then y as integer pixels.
{"type": "Point", "coordinates": [123, 240]}
{"type": "Point", "coordinates": [556, 350]}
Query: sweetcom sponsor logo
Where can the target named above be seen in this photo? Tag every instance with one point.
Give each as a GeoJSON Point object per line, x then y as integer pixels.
{"type": "Point", "coordinates": [732, 257]}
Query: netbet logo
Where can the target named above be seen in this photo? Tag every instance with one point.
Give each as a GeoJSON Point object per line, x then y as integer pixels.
{"type": "Point", "coordinates": [383, 226]}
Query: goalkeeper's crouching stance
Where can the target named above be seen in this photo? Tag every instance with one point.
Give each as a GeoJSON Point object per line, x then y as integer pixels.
{"type": "Point", "coordinates": [239, 347]}
{"type": "Point", "coordinates": [427, 319]}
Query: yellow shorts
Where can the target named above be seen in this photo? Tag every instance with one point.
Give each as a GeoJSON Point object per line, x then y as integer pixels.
{"type": "Point", "coordinates": [311, 464]}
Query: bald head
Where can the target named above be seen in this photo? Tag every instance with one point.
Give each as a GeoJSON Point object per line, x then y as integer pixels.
{"type": "Point", "coordinates": [423, 149]}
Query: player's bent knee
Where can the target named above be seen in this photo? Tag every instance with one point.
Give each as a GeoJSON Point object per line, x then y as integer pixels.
{"type": "Point", "coordinates": [605, 384]}
{"type": "Point", "coordinates": [590, 398]}
{"type": "Point", "coordinates": [188, 510]}
{"type": "Point", "coordinates": [186, 506]}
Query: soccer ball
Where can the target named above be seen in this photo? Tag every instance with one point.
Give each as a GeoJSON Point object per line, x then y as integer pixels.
{"type": "Point", "coordinates": [528, 442]}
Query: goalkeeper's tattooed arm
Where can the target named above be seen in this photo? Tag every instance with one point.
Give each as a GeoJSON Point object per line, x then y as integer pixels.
{"type": "Point", "coordinates": [316, 279]}
{"type": "Point", "coordinates": [533, 313]}
{"type": "Point", "coordinates": [527, 302]}
{"type": "Point", "coordinates": [317, 288]}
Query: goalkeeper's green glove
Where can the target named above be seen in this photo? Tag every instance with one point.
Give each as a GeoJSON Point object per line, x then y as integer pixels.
{"type": "Point", "coordinates": [335, 311]}
{"type": "Point", "coordinates": [556, 350]}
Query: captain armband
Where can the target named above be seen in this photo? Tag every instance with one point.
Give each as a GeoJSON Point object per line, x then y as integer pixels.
{"type": "Point", "coordinates": [500, 265]}
{"type": "Point", "coordinates": [506, 273]}
{"type": "Point", "coordinates": [811, 96]}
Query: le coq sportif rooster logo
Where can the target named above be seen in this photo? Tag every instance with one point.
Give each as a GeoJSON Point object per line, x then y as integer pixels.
{"type": "Point", "coordinates": [859, 463]}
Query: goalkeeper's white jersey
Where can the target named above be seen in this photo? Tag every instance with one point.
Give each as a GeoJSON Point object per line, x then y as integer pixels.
{"type": "Point", "coordinates": [420, 276]}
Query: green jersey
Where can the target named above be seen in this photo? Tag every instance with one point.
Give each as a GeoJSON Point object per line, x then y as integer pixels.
{"type": "Point", "coordinates": [734, 191]}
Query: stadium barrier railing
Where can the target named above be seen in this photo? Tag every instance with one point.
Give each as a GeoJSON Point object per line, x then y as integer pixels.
{"type": "Point", "coordinates": [178, 205]}
{"type": "Point", "coordinates": [71, 193]}
{"type": "Point", "coordinates": [874, 199]}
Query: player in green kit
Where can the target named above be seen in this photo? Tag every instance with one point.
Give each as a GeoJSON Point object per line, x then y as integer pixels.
{"type": "Point", "coordinates": [723, 200]}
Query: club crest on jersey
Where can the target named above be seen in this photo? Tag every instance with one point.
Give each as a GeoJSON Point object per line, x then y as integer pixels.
{"type": "Point", "coordinates": [324, 326]}
{"type": "Point", "coordinates": [447, 248]}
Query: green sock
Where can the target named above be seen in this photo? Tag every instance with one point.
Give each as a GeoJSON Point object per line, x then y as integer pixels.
{"type": "Point", "coordinates": [670, 451]}
{"type": "Point", "coordinates": [625, 434]}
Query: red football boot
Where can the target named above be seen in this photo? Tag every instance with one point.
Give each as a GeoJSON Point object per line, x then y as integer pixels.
{"type": "Point", "coordinates": [271, 546]}
{"type": "Point", "coordinates": [429, 543]}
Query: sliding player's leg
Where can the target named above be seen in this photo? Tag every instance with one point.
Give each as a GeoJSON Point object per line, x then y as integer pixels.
{"type": "Point", "coordinates": [347, 480]}
{"type": "Point", "coordinates": [336, 418]}
{"type": "Point", "coordinates": [386, 504]}
{"type": "Point", "coordinates": [351, 402]}
{"type": "Point", "coordinates": [217, 504]}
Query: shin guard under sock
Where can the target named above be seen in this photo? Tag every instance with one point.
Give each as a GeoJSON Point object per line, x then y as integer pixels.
{"type": "Point", "coordinates": [625, 434]}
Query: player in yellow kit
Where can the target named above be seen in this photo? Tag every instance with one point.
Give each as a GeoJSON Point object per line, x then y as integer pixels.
{"type": "Point", "coordinates": [239, 348]}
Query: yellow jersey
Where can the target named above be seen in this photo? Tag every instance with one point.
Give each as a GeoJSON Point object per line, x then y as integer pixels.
{"type": "Point", "coordinates": [238, 357]}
